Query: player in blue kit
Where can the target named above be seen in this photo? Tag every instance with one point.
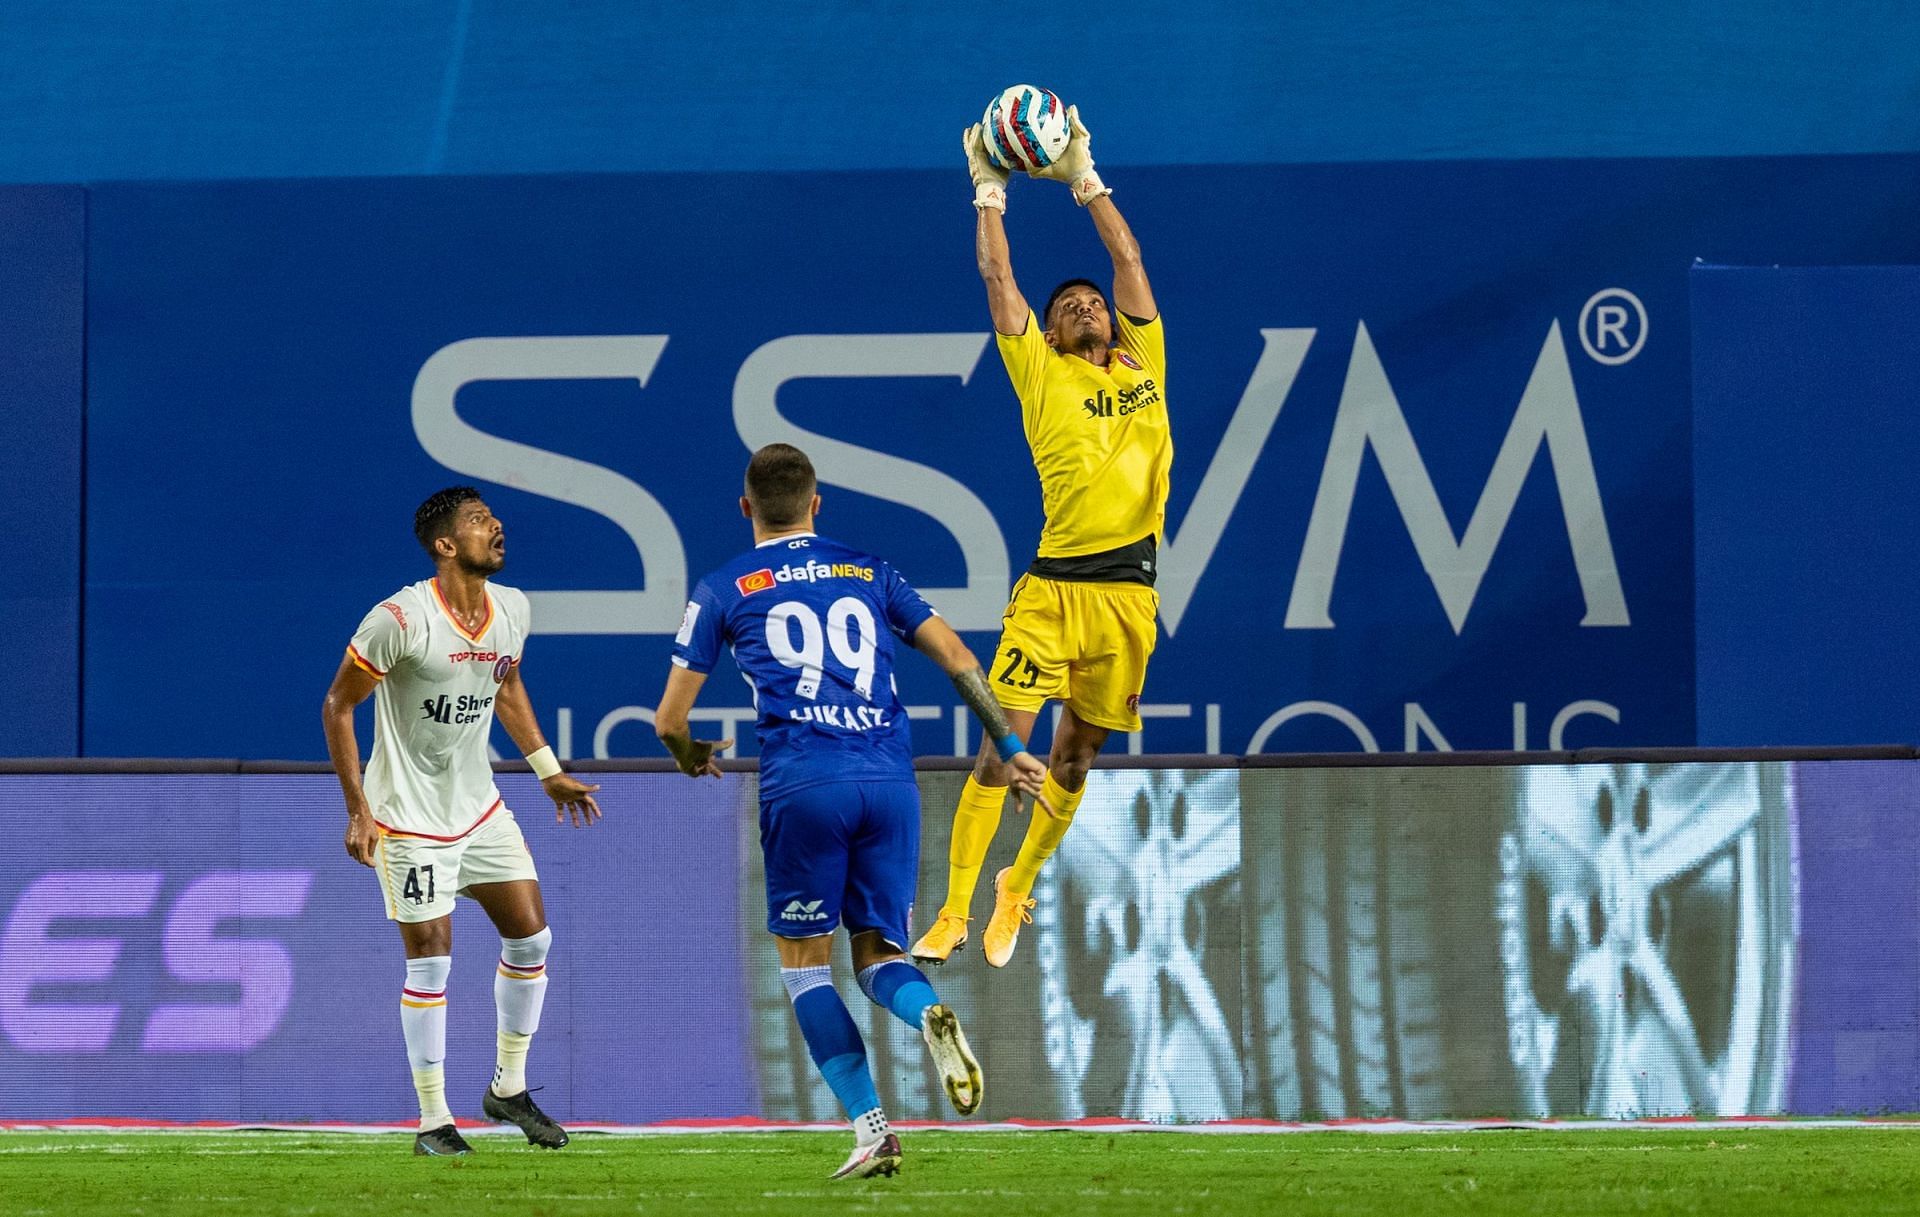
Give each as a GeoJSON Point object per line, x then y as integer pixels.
{"type": "Point", "coordinates": [811, 625]}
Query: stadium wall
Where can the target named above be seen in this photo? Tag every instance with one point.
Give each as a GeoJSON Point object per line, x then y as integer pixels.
{"type": "Point", "coordinates": [232, 89]}
{"type": "Point", "coordinates": [1435, 485]}
{"type": "Point", "coordinates": [1650, 936]}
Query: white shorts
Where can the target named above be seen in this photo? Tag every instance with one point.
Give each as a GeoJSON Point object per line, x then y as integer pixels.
{"type": "Point", "coordinates": [419, 876]}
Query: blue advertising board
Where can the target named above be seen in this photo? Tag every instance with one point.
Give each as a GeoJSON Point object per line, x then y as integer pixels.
{"type": "Point", "coordinates": [1490, 941]}
{"type": "Point", "coordinates": [42, 319]}
{"type": "Point", "coordinates": [182, 945]}
{"type": "Point", "coordinates": [1805, 503]}
{"type": "Point", "coordinates": [1432, 482]}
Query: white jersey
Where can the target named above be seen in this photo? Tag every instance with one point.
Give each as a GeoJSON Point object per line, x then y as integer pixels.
{"type": "Point", "coordinates": [433, 708]}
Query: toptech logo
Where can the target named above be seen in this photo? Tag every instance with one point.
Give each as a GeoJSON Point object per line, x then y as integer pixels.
{"type": "Point", "coordinates": [759, 581]}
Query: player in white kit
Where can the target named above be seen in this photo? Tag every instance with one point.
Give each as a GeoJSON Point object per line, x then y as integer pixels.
{"type": "Point", "coordinates": [441, 657]}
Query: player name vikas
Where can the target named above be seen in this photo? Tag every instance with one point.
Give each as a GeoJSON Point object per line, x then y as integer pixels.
{"type": "Point", "coordinates": [847, 718]}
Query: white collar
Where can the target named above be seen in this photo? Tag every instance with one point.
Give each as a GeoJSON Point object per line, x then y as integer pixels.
{"type": "Point", "coordinates": [783, 537]}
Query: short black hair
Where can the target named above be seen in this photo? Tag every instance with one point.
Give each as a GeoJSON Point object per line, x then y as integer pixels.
{"type": "Point", "coordinates": [435, 517]}
{"type": "Point", "coordinates": [780, 485]}
{"type": "Point", "coordinates": [1046, 318]}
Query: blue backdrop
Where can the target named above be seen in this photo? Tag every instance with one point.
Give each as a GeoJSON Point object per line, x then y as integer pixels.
{"type": "Point", "coordinates": [1433, 472]}
{"type": "Point", "coordinates": [42, 251]}
{"type": "Point", "coordinates": [238, 88]}
{"type": "Point", "coordinates": [1809, 562]}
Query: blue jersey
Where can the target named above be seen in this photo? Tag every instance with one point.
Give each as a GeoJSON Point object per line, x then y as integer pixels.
{"type": "Point", "coordinates": [811, 624]}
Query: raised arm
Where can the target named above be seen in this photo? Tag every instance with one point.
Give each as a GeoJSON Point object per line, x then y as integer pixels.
{"type": "Point", "coordinates": [351, 686]}
{"type": "Point", "coordinates": [1074, 166]}
{"type": "Point", "coordinates": [1004, 302]}
{"type": "Point", "coordinates": [572, 799]}
{"type": "Point", "coordinates": [1131, 293]}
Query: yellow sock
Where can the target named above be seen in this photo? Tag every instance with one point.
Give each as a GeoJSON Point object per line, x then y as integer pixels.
{"type": "Point", "coordinates": [974, 823]}
{"type": "Point", "coordinates": [1044, 834]}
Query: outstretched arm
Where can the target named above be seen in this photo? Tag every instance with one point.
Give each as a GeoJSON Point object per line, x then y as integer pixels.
{"type": "Point", "coordinates": [1008, 307]}
{"type": "Point", "coordinates": [1074, 166]}
{"type": "Point", "coordinates": [694, 756]}
{"type": "Point", "coordinates": [1131, 293]}
{"type": "Point", "coordinates": [572, 798]}
{"type": "Point", "coordinates": [936, 640]}
{"type": "Point", "coordinates": [1004, 301]}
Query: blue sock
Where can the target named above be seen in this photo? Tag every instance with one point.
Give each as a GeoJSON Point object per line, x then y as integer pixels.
{"type": "Point", "coordinates": [898, 986]}
{"type": "Point", "coordinates": [832, 1039]}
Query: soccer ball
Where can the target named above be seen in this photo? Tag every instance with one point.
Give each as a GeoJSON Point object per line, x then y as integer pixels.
{"type": "Point", "coordinates": [1026, 128]}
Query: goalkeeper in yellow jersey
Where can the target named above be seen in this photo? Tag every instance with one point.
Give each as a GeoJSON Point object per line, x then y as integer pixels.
{"type": "Point", "coordinates": [1080, 625]}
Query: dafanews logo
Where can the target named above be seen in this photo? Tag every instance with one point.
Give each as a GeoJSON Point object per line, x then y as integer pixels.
{"type": "Point", "coordinates": [759, 581]}
{"type": "Point", "coordinates": [810, 911]}
{"type": "Point", "coordinates": [814, 571]}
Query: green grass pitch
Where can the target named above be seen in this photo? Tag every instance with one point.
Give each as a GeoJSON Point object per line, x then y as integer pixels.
{"type": "Point", "coordinates": [1757, 1171]}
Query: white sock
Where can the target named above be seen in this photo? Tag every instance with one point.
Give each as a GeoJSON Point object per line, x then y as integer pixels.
{"type": "Point", "coordinates": [423, 1021]}
{"type": "Point", "coordinates": [869, 1126]}
{"type": "Point", "coordinates": [519, 990]}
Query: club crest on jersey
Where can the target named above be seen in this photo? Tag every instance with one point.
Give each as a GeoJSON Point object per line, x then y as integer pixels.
{"type": "Point", "coordinates": [759, 581]}
{"type": "Point", "coordinates": [1127, 359]}
{"type": "Point", "coordinates": [501, 668]}
{"type": "Point", "coordinates": [1133, 702]}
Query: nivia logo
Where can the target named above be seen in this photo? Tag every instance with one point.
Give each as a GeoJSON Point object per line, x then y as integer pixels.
{"type": "Point", "coordinates": [810, 911]}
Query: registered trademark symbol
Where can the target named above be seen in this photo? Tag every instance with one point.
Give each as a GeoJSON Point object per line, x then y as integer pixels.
{"type": "Point", "coordinates": [1613, 326]}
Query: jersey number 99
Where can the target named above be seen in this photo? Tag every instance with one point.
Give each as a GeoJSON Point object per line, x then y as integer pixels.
{"type": "Point", "coordinates": [849, 632]}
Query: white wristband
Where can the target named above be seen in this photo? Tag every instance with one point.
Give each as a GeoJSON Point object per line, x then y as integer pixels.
{"type": "Point", "coordinates": [1088, 187]}
{"type": "Point", "coordinates": [987, 195]}
{"type": "Point", "coordinates": [544, 765]}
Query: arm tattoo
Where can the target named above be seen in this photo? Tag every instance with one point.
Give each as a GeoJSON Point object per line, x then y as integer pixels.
{"type": "Point", "coordinates": [972, 684]}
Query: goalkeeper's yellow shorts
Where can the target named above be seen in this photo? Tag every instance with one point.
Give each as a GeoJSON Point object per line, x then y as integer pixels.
{"type": "Point", "coordinates": [1086, 644]}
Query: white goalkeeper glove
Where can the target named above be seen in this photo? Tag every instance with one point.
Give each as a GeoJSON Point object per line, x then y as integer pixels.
{"type": "Point", "coordinates": [1074, 166]}
{"type": "Point", "coordinates": [989, 179]}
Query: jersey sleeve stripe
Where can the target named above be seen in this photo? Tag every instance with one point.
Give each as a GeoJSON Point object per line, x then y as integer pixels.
{"type": "Point", "coordinates": [360, 661]}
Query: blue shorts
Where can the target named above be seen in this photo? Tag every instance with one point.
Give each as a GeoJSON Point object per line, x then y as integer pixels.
{"type": "Point", "coordinates": [842, 853]}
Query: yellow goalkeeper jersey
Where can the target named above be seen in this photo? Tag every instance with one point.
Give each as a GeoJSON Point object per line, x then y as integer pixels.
{"type": "Point", "coordinates": [1100, 438]}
